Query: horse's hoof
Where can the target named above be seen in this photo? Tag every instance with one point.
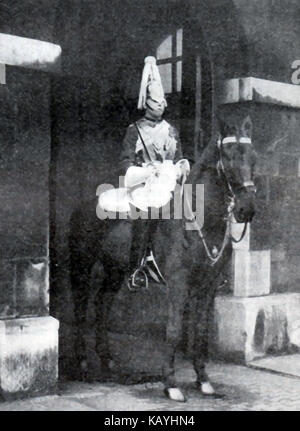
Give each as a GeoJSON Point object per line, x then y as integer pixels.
{"type": "Point", "coordinates": [207, 388]}
{"type": "Point", "coordinates": [175, 394]}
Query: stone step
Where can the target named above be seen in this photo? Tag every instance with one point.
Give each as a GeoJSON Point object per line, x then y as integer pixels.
{"type": "Point", "coordinates": [250, 328]}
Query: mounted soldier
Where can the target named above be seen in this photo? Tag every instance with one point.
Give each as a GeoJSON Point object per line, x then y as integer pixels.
{"type": "Point", "coordinates": [151, 159]}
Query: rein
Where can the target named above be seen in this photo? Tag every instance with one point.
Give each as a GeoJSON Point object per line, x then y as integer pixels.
{"type": "Point", "coordinates": [214, 255]}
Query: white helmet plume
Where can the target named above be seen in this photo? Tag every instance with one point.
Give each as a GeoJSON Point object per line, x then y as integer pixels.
{"type": "Point", "coordinates": [151, 83]}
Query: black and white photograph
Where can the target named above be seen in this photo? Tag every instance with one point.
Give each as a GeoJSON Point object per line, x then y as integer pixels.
{"type": "Point", "coordinates": [149, 208]}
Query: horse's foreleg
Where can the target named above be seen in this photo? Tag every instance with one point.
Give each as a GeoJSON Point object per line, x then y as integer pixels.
{"type": "Point", "coordinates": [173, 333]}
{"type": "Point", "coordinates": [205, 303]}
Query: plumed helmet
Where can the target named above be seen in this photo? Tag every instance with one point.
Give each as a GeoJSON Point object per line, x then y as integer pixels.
{"type": "Point", "coordinates": [151, 85]}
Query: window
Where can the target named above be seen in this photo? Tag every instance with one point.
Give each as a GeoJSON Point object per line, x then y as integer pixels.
{"type": "Point", "coordinates": [169, 61]}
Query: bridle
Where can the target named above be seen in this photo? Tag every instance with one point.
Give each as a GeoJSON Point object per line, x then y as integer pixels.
{"type": "Point", "coordinates": [214, 255]}
{"type": "Point", "coordinates": [220, 164]}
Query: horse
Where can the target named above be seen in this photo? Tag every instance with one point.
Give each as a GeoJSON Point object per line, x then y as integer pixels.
{"type": "Point", "coordinates": [191, 260]}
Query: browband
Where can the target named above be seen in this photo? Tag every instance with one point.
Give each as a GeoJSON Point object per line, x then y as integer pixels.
{"type": "Point", "coordinates": [232, 139]}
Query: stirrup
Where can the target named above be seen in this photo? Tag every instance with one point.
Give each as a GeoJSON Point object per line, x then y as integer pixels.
{"type": "Point", "coordinates": [134, 284]}
{"type": "Point", "coordinates": [154, 273]}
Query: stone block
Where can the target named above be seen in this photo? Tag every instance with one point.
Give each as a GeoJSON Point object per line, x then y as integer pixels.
{"type": "Point", "coordinates": [251, 89]}
{"type": "Point", "coordinates": [32, 288]}
{"type": "Point", "coordinates": [251, 272]}
{"type": "Point", "coordinates": [249, 328]}
{"type": "Point", "coordinates": [28, 356]}
{"type": "Point", "coordinates": [22, 51]}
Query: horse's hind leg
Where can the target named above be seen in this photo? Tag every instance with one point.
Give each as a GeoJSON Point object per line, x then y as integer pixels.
{"type": "Point", "coordinates": [80, 292]}
{"type": "Point", "coordinates": [111, 284]}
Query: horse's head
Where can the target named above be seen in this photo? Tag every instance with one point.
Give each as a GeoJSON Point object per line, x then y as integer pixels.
{"type": "Point", "coordinates": [236, 161]}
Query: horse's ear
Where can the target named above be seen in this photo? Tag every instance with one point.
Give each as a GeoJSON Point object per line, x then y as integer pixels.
{"type": "Point", "coordinates": [246, 127]}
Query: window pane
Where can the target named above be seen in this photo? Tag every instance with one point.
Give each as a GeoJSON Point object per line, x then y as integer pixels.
{"type": "Point", "coordinates": [179, 42]}
{"type": "Point", "coordinates": [165, 71]}
{"type": "Point", "coordinates": [178, 75]}
{"type": "Point", "coordinates": [165, 49]}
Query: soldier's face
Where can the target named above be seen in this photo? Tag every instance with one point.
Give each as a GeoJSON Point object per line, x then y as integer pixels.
{"type": "Point", "coordinates": [156, 102]}
{"type": "Point", "coordinates": [155, 108]}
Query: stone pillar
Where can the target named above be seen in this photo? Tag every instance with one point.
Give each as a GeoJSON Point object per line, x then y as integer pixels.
{"type": "Point", "coordinates": [255, 320]}
{"type": "Point", "coordinates": [28, 335]}
{"type": "Point", "coordinates": [251, 269]}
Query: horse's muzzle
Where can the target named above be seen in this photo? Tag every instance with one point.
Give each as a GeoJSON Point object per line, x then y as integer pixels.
{"type": "Point", "coordinates": [244, 209]}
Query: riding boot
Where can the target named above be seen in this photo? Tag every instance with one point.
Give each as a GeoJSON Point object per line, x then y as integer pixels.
{"type": "Point", "coordinates": [142, 251]}
{"type": "Point", "coordinates": [150, 260]}
{"type": "Point", "coordinates": [139, 238]}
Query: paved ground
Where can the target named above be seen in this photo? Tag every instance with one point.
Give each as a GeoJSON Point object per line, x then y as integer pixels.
{"type": "Point", "coordinates": [240, 389]}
